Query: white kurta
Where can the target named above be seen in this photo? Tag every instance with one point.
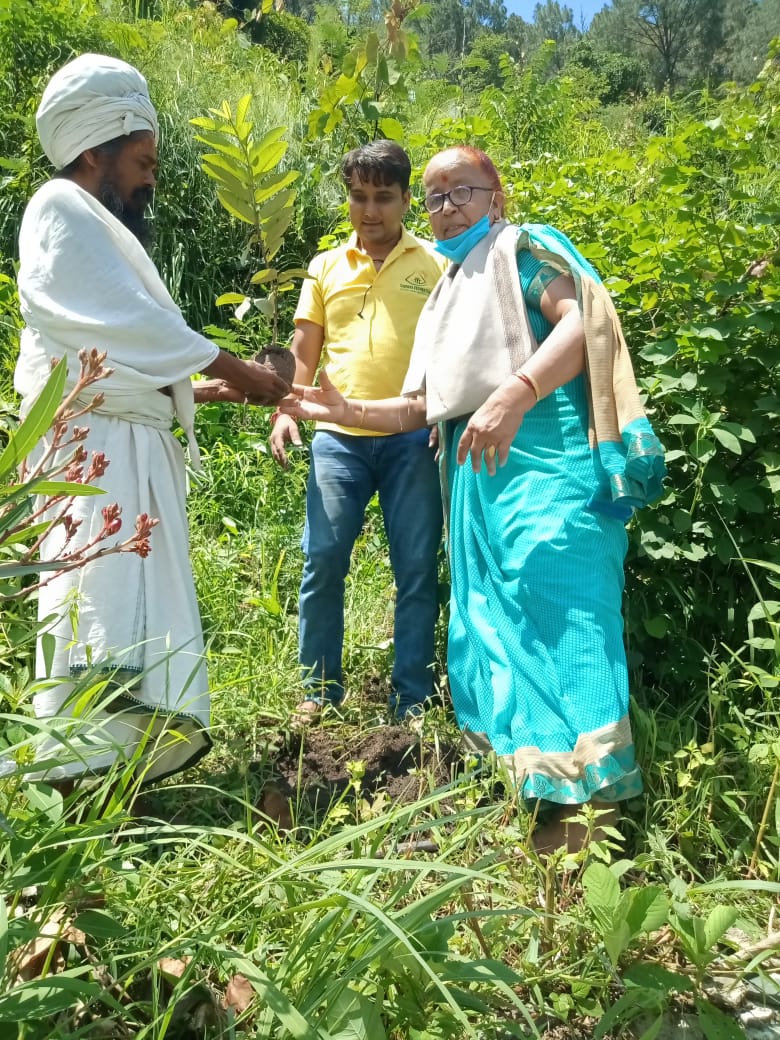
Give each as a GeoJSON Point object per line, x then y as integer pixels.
{"type": "Point", "coordinates": [86, 282]}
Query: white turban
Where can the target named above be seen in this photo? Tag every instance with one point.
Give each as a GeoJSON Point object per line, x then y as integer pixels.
{"type": "Point", "coordinates": [89, 101]}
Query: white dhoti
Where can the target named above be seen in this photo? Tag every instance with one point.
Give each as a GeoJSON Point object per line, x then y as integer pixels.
{"type": "Point", "coordinates": [134, 619]}
{"type": "Point", "coordinates": [85, 282]}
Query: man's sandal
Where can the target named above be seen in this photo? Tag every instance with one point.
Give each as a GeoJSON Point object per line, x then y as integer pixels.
{"type": "Point", "coordinates": [308, 711]}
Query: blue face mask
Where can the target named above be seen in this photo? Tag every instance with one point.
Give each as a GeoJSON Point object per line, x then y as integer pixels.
{"type": "Point", "coordinates": [459, 247]}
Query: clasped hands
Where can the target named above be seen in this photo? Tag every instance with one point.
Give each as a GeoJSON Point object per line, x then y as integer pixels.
{"type": "Point", "coordinates": [259, 387]}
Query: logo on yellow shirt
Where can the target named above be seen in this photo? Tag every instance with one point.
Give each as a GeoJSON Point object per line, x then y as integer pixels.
{"type": "Point", "coordinates": [416, 282]}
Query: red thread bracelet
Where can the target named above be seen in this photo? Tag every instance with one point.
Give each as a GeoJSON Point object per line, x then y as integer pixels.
{"type": "Point", "coordinates": [529, 382]}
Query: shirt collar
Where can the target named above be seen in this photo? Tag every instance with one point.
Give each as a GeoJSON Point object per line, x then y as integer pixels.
{"type": "Point", "coordinates": [406, 241]}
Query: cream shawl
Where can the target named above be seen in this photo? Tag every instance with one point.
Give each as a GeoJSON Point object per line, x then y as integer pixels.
{"type": "Point", "coordinates": [85, 281]}
{"type": "Point", "coordinates": [474, 331]}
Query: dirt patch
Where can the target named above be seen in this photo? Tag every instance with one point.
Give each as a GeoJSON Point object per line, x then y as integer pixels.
{"type": "Point", "coordinates": [318, 763]}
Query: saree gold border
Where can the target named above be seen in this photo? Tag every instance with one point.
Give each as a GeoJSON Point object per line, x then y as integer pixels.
{"type": "Point", "coordinates": [589, 750]}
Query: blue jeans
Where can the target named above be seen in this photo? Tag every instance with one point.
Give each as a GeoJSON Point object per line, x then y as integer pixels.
{"type": "Point", "coordinates": [344, 473]}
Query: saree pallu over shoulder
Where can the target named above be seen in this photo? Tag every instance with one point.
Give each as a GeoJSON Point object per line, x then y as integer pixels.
{"type": "Point", "coordinates": [628, 450]}
{"type": "Point", "coordinates": [474, 332]}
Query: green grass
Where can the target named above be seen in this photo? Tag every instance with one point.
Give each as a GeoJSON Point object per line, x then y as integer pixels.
{"type": "Point", "coordinates": [479, 939]}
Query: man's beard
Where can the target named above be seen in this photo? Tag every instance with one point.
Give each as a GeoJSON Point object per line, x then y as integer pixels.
{"type": "Point", "coordinates": [132, 213]}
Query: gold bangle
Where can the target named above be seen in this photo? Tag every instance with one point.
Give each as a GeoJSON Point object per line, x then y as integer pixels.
{"type": "Point", "coordinates": [401, 427]}
{"type": "Point", "coordinates": [362, 415]}
{"type": "Point", "coordinates": [529, 381]}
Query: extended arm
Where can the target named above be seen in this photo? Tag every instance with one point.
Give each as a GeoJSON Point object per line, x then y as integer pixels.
{"type": "Point", "coordinates": [306, 349]}
{"type": "Point", "coordinates": [326, 404]}
{"type": "Point", "coordinates": [244, 379]}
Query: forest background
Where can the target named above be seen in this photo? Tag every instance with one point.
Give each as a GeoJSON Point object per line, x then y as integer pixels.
{"type": "Point", "coordinates": [651, 137]}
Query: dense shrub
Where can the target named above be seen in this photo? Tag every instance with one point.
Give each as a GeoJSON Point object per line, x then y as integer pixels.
{"type": "Point", "coordinates": [282, 33]}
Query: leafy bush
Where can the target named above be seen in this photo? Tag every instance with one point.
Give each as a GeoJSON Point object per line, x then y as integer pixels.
{"type": "Point", "coordinates": [283, 34]}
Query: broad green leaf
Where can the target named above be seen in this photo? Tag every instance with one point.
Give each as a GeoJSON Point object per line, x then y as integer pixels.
{"type": "Point", "coordinates": [266, 275]}
{"type": "Point", "coordinates": [653, 1029]}
{"type": "Point", "coordinates": [280, 201]}
{"type": "Point", "coordinates": [394, 74]}
{"type": "Point", "coordinates": [275, 237]}
{"type": "Point", "coordinates": [629, 1006]}
{"type": "Point", "coordinates": [727, 439]}
{"type": "Point", "coordinates": [718, 922]}
{"type": "Point", "coordinates": [654, 976]}
{"type": "Point", "coordinates": [743, 432]}
{"type": "Point", "coordinates": [100, 925]}
{"type": "Point", "coordinates": [372, 47]}
{"type": "Point", "coordinates": [46, 800]}
{"type": "Point", "coordinates": [354, 1016]}
{"type": "Point", "coordinates": [702, 450]}
{"type": "Point", "coordinates": [229, 299]}
{"type": "Point", "coordinates": [349, 63]}
{"type": "Point", "coordinates": [204, 123]}
{"type": "Point", "coordinates": [602, 892]}
{"type": "Point", "coordinates": [270, 185]}
{"type": "Point", "coordinates": [647, 909]}
{"type": "Point", "coordinates": [232, 172]}
{"type": "Point", "coordinates": [391, 129]}
{"type": "Point", "coordinates": [22, 440]}
{"type": "Point", "coordinates": [222, 145]}
{"type": "Point", "coordinates": [278, 222]}
{"type": "Point", "coordinates": [242, 108]}
{"type": "Point", "coordinates": [657, 626]}
{"type": "Point", "coordinates": [237, 207]}
{"type": "Point", "coordinates": [292, 273]}
{"type": "Point", "coordinates": [707, 332]}
{"type": "Point", "coordinates": [617, 939]}
{"type": "Point", "coordinates": [382, 72]}
{"type": "Point", "coordinates": [371, 109]}
{"type": "Point", "coordinates": [270, 140]}
{"type": "Point", "coordinates": [235, 184]}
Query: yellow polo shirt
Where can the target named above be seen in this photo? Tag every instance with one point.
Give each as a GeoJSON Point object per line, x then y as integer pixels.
{"type": "Point", "coordinates": [368, 316]}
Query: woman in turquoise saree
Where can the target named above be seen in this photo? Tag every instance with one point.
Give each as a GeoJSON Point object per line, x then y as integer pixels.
{"type": "Point", "coordinates": [545, 453]}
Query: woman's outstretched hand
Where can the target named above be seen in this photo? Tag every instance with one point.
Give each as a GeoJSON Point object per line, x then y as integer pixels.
{"type": "Point", "coordinates": [322, 403]}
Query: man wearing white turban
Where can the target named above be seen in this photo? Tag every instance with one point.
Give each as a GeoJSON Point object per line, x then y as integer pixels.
{"type": "Point", "coordinates": [86, 281]}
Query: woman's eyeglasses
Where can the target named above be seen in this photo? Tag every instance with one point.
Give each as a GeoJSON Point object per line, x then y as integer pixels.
{"type": "Point", "coordinates": [458, 197]}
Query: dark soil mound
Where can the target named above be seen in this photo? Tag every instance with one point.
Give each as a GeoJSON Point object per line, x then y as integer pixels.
{"type": "Point", "coordinates": [314, 762]}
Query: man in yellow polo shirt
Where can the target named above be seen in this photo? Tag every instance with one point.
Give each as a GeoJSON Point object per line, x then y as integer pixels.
{"type": "Point", "coordinates": [360, 306]}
